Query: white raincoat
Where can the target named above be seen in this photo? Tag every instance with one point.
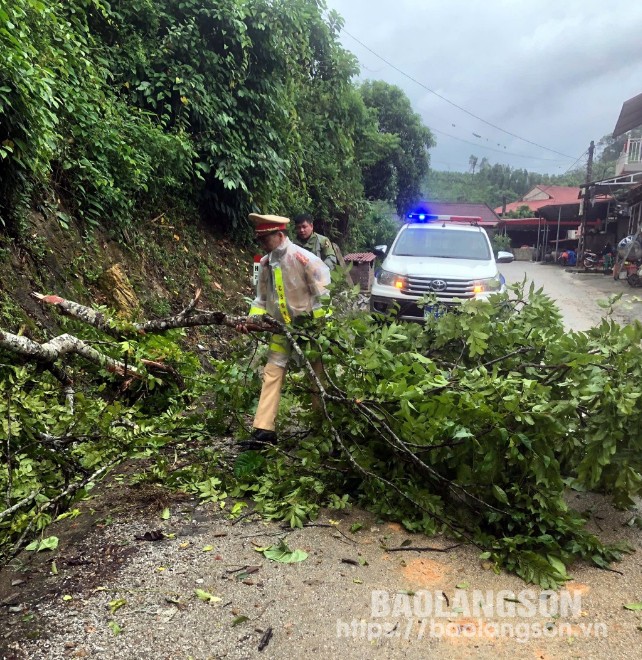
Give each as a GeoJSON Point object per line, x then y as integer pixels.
{"type": "Point", "coordinates": [291, 282]}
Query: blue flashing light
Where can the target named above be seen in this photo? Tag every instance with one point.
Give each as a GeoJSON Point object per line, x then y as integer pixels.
{"type": "Point", "coordinates": [421, 216]}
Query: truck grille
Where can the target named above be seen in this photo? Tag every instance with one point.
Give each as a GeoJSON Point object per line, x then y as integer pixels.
{"type": "Point", "coordinates": [420, 286]}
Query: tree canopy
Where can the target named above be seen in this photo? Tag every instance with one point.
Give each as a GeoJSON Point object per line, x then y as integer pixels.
{"type": "Point", "coordinates": [397, 174]}
{"type": "Point", "coordinates": [129, 108]}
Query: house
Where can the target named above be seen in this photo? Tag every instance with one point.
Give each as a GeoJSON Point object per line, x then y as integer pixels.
{"type": "Point", "coordinates": [625, 188]}
{"type": "Point", "coordinates": [542, 195]}
{"type": "Point", "coordinates": [630, 160]}
{"type": "Point", "coordinates": [489, 220]}
{"type": "Point", "coordinates": [556, 217]}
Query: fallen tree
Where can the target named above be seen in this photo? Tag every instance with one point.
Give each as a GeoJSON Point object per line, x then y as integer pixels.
{"type": "Point", "coordinates": [474, 424]}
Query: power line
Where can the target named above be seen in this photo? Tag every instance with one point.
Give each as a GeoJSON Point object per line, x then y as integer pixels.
{"type": "Point", "coordinates": [443, 98]}
{"type": "Point", "coordinates": [499, 151]}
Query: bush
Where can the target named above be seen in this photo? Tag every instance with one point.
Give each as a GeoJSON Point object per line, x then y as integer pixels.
{"type": "Point", "coordinates": [501, 242]}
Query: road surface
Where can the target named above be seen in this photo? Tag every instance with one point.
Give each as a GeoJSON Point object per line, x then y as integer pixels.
{"type": "Point", "coordinates": [577, 294]}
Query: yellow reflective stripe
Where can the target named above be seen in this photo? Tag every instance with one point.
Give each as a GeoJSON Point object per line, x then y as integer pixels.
{"type": "Point", "coordinates": [280, 292]}
{"type": "Point", "coordinates": [279, 344]}
{"type": "Point", "coordinates": [256, 311]}
{"type": "Point", "coordinates": [277, 348]}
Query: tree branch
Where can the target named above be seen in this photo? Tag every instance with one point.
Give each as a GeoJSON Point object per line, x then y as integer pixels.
{"type": "Point", "coordinates": [54, 349]}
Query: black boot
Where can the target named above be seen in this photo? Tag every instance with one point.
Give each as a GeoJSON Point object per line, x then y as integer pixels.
{"type": "Point", "coordinates": [267, 437]}
{"type": "Point", "coordinates": [261, 439]}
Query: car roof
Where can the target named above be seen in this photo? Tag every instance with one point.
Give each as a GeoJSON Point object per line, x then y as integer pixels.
{"type": "Point", "coordinates": [438, 224]}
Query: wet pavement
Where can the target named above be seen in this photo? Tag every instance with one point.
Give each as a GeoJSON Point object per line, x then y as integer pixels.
{"type": "Point", "coordinates": [577, 294]}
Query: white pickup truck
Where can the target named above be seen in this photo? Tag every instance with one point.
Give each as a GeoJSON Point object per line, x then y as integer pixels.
{"type": "Point", "coordinates": [450, 257]}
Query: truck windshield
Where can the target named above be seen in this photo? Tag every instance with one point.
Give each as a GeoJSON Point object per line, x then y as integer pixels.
{"type": "Point", "coordinates": [442, 243]}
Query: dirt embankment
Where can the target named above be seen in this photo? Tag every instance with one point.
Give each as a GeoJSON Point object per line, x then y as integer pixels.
{"type": "Point", "coordinates": [150, 273]}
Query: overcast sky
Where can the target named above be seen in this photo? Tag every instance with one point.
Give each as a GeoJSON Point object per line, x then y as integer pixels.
{"type": "Point", "coordinates": [554, 72]}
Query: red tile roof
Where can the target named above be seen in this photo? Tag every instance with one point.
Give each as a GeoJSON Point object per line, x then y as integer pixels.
{"type": "Point", "coordinates": [555, 195]}
{"type": "Point", "coordinates": [359, 257]}
{"type": "Point", "coordinates": [488, 217]}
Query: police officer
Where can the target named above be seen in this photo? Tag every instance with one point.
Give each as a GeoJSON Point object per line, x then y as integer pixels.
{"type": "Point", "coordinates": [308, 239]}
{"type": "Point", "coordinates": [290, 284]}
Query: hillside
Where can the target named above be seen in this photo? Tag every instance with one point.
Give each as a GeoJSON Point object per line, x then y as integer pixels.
{"type": "Point", "coordinates": [152, 274]}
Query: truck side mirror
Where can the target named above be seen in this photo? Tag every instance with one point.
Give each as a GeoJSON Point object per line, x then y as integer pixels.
{"type": "Point", "coordinates": [504, 257]}
{"type": "Point", "coordinates": [380, 250]}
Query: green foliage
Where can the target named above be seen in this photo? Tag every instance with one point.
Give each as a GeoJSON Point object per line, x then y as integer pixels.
{"type": "Point", "coordinates": [263, 89]}
{"type": "Point", "coordinates": [501, 242]}
{"type": "Point", "coordinates": [378, 226]}
{"type": "Point", "coordinates": [492, 183]}
{"type": "Point", "coordinates": [62, 125]}
{"type": "Point", "coordinates": [523, 211]}
{"type": "Point", "coordinates": [473, 424]}
{"type": "Point", "coordinates": [396, 175]}
{"type": "Point", "coordinates": [48, 447]}
{"type": "Point", "coordinates": [123, 108]}
{"type": "Point", "coordinates": [495, 408]}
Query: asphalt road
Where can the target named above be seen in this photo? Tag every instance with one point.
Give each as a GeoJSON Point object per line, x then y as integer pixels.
{"type": "Point", "coordinates": [577, 294]}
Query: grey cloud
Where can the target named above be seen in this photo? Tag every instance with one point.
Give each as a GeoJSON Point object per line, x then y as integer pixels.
{"type": "Point", "coordinates": [553, 72]}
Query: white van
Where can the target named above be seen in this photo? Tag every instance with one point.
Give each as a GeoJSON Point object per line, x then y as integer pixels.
{"type": "Point", "coordinates": [450, 257]}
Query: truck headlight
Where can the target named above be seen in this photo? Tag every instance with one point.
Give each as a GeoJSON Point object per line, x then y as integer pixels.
{"type": "Point", "coordinates": [387, 278]}
{"type": "Point", "coordinates": [490, 284]}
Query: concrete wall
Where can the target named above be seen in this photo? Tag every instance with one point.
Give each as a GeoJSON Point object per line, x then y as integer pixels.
{"type": "Point", "coordinates": [523, 254]}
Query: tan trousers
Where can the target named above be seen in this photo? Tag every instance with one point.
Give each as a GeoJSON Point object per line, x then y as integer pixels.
{"type": "Point", "coordinates": [273, 379]}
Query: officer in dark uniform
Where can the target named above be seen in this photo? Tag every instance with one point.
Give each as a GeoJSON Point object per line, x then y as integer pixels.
{"type": "Point", "coordinates": [308, 239]}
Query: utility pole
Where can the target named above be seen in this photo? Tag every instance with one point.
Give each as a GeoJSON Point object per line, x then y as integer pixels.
{"type": "Point", "coordinates": [587, 196]}
{"type": "Point", "coordinates": [557, 240]}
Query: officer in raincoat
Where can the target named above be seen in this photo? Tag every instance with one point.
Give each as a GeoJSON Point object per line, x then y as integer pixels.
{"type": "Point", "coordinates": [291, 282]}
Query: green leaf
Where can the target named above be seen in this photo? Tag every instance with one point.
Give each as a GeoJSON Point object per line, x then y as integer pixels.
{"type": "Point", "coordinates": [69, 514]}
{"type": "Point", "coordinates": [463, 585]}
{"type": "Point", "coordinates": [237, 508]}
{"type": "Point", "coordinates": [558, 565]}
{"type": "Point", "coordinates": [114, 626]}
{"type": "Point", "coordinates": [240, 619]}
{"type": "Point", "coordinates": [500, 494]}
{"type": "Point", "coordinates": [50, 543]}
{"type": "Point", "coordinates": [633, 606]}
{"type": "Point", "coordinates": [116, 604]}
{"type": "Point", "coordinates": [165, 515]}
{"type": "Point", "coordinates": [206, 596]}
{"type": "Point", "coordinates": [248, 463]}
{"type": "Point", "coordinates": [283, 554]}
{"type": "Point", "coordinates": [355, 527]}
